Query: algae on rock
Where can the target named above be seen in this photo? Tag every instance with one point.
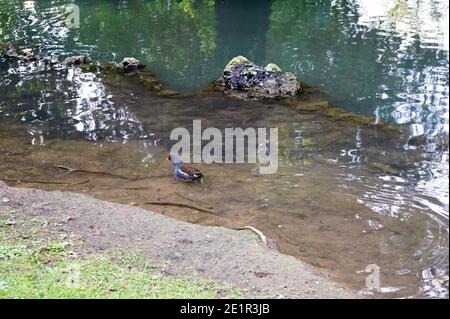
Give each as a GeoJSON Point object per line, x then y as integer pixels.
{"type": "Point", "coordinates": [244, 79]}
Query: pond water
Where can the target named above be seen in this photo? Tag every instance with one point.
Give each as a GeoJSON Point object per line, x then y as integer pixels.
{"type": "Point", "coordinates": [346, 194]}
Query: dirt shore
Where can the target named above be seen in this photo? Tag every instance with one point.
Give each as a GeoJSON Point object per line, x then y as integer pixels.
{"type": "Point", "coordinates": [176, 248]}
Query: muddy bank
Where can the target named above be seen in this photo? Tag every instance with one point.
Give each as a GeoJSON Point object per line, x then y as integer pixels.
{"type": "Point", "coordinates": [177, 248]}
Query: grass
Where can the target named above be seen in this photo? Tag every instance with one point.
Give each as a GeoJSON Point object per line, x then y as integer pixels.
{"type": "Point", "coordinates": [34, 268]}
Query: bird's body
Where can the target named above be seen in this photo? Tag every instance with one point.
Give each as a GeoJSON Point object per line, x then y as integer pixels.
{"type": "Point", "coordinates": [184, 172]}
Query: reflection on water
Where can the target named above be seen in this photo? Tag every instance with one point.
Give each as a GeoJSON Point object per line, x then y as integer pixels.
{"type": "Point", "coordinates": [66, 103]}
{"type": "Point", "coordinates": [345, 196]}
{"type": "Point", "coordinates": [426, 20]}
{"type": "Point", "coordinates": [387, 59]}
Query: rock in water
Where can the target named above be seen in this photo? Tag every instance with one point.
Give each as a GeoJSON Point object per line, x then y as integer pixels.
{"type": "Point", "coordinates": [10, 51]}
{"type": "Point", "coordinates": [28, 55]}
{"type": "Point", "coordinates": [130, 65]}
{"type": "Point", "coordinates": [244, 79]}
{"type": "Point", "coordinates": [76, 60]}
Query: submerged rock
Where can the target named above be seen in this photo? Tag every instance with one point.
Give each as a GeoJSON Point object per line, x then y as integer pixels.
{"type": "Point", "coordinates": [244, 79]}
{"type": "Point", "coordinates": [28, 55]}
{"type": "Point", "coordinates": [10, 51]}
{"type": "Point", "coordinates": [130, 65]}
{"type": "Point", "coordinates": [76, 60]}
{"type": "Point", "coordinates": [428, 144]}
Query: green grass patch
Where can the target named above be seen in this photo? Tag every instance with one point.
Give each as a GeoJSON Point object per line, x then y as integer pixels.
{"type": "Point", "coordinates": [32, 268]}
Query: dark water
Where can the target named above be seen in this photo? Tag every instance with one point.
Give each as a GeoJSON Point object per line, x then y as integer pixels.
{"type": "Point", "coordinates": [365, 196]}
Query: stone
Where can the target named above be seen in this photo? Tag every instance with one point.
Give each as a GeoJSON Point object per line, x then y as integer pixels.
{"type": "Point", "coordinates": [242, 78]}
{"type": "Point", "coordinates": [236, 61]}
{"type": "Point", "coordinates": [130, 65]}
{"type": "Point", "coordinates": [272, 67]}
{"type": "Point", "coordinates": [76, 60]}
{"type": "Point", "coordinates": [9, 51]}
{"type": "Point", "coordinates": [26, 55]}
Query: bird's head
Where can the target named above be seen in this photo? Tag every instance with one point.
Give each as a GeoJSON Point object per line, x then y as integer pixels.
{"type": "Point", "coordinates": [175, 159]}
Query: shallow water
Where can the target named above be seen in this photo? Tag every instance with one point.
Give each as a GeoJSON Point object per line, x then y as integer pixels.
{"type": "Point", "coordinates": [346, 194]}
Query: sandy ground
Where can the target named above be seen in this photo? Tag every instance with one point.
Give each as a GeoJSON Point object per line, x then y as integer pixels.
{"type": "Point", "coordinates": [236, 257]}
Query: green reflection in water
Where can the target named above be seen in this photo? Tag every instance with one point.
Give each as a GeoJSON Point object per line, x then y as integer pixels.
{"type": "Point", "coordinates": [388, 60]}
{"type": "Point", "coordinates": [177, 39]}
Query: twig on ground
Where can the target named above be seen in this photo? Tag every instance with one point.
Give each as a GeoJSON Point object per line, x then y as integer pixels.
{"type": "Point", "coordinates": [258, 232]}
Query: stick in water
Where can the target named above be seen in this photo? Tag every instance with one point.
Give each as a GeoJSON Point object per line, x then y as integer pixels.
{"type": "Point", "coordinates": [183, 206]}
{"type": "Point", "coordinates": [73, 170]}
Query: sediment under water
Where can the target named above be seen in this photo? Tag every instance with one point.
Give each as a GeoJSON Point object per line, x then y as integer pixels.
{"type": "Point", "coordinates": [347, 194]}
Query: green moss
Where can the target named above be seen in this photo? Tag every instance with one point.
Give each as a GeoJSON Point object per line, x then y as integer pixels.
{"type": "Point", "coordinates": [273, 67]}
{"type": "Point", "coordinates": [236, 60]}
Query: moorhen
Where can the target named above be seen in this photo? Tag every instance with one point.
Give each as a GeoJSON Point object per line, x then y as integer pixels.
{"type": "Point", "coordinates": [183, 172]}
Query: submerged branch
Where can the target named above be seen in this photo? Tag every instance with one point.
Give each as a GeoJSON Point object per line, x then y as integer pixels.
{"type": "Point", "coordinates": [33, 181]}
{"type": "Point", "coordinates": [80, 183]}
{"type": "Point", "coordinates": [101, 173]}
{"type": "Point", "coordinates": [182, 205]}
{"type": "Point", "coordinates": [23, 171]}
{"type": "Point", "coordinates": [135, 188]}
{"type": "Point", "coordinates": [140, 178]}
{"type": "Point", "coordinates": [192, 200]}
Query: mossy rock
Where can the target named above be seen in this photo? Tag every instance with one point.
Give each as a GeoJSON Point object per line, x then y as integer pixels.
{"type": "Point", "coordinates": [272, 67]}
{"type": "Point", "coordinates": [236, 61]}
{"type": "Point", "coordinates": [244, 79]}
